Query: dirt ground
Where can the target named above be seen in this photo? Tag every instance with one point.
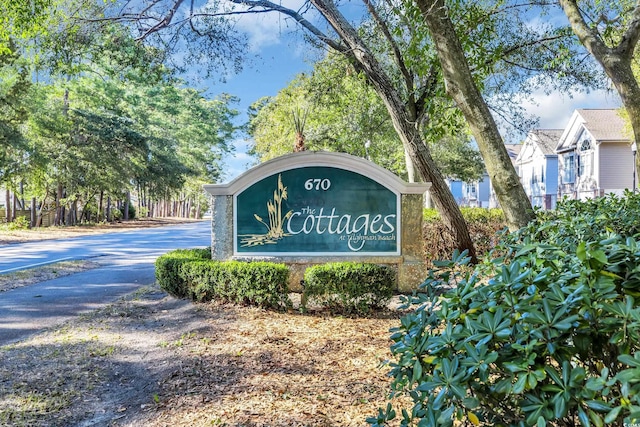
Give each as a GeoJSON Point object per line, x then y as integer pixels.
{"type": "Point", "coordinates": [153, 360]}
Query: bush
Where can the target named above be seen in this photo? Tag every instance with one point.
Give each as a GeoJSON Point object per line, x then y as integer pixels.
{"type": "Point", "coordinates": [349, 288]}
{"type": "Point", "coordinates": [20, 223]}
{"type": "Point", "coordinates": [255, 283]}
{"type": "Point", "coordinates": [546, 335]}
{"type": "Point", "coordinates": [192, 273]}
{"type": "Point", "coordinates": [484, 227]}
{"type": "Point", "coordinates": [168, 272]}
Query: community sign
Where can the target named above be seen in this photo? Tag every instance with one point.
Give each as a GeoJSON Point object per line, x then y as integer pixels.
{"type": "Point", "coordinates": [321, 210]}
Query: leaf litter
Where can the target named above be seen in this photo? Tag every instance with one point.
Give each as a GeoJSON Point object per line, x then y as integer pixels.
{"type": "Point", "coordinates": [152, 360]}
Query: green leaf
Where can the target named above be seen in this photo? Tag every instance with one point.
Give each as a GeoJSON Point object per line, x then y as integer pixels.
{"type": "Point", "coordinates": [598, 405]}
{"type": "Point", "coordinates": [583, 417]}
{"type": "Point", "coordinates": [417, 371]}
{"type": "Point", "coordinates": [560, 406]}
{"type": "Point", "coordinates": [631, 361]}
{"type": "Point", "coordinates": [581, 251]}
{"type": "Point", "coordinates": [612, 415]}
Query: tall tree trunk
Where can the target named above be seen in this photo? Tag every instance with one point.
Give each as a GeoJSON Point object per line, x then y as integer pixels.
{"type": "Point", "coordinates": [58, 217]}
{"type": "Point", "coordinates": [411, 170]}
{"type": "Point", "coordinates": [461, 86]}
{"type": "Point", "coordinates": [126, 206]}
{"type": "Point", "coordinates": [41, 210]}
{"type": "Point", "coordinates": [7, 204]}
{"type": "Point", "coordinates": [100, 200]}
{"type": "Point", "coordinates": [22, 204]}
{"type": "Point", "coordinates": [404, 124]}
{"type": "Point", "coordinates": [616, 61]}
{"type": "Point", "coordinates": [14, 201]}
{"type": "Point", "coordinates": [108, 209]}
{"type": "Point", "coordinates": [33, 219]}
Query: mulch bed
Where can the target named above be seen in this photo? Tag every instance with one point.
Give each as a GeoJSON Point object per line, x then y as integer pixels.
{"type": "Point", "coordinates": [152, 360]}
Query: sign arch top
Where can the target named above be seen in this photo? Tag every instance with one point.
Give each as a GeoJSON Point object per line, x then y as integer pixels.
{"type": "Point", "coordinates": [317, 158]}
{"type": "Point", "coordinates": [314, 207]}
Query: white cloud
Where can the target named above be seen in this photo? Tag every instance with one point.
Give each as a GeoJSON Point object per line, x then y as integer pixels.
{"type": "Point", "coordinates": [238, 162]}
{"type": "Point", "coordinates": [268, 29]}
{"type": "Point", "coordinates": [555, 109]}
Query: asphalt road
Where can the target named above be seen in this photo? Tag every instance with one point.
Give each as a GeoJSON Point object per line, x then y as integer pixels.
{"type": "Point", "coordinates": [127, 264]}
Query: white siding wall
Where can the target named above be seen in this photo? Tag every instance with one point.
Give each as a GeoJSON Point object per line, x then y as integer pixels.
{"type": "Point", "coordinates": [615, 166]}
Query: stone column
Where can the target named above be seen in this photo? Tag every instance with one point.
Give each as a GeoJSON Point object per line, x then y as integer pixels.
{"type": "Point", "coordinates": [412, 270]}
{"type": "Point", "coordinates": [221, 227]}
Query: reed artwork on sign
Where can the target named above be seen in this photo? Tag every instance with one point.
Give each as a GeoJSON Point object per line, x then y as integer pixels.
{"type": "Point", "coordinates": [275, 227]}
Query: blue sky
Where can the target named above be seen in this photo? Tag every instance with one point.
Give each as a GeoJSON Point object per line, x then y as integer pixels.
{"type": "Point", "coordinates": [282, 53]}
{"type": "Point", "coordinates": [276, 57]}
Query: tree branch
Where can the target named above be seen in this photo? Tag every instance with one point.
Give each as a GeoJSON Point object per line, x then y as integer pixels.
{"type": "Point", "coordinates": [408, 78]}
{"type": "Point", "coordinates": [627, 45]}
{"type": "Point", "coordinates": [165, 22]}
{"type": "Point", "coordinates": [269, 6]}
{"type": "Point", "coordinates": [588, 36]}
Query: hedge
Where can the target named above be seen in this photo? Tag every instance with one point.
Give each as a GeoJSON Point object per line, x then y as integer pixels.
{"type": "Point", "coordinates": [191, 273]}
{"type": "Point", "coordinates": [349, 288]}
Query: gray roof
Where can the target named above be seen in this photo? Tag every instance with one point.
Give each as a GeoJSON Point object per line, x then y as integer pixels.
{"type": "Point", "coordinates": [604, 125]}
{"type": "Point", "coordinates": [513, 150]}
{"type": "Point", "coordinates": [547, 140]}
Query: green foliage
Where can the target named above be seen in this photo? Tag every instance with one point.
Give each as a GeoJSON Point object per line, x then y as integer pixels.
{"type": "Point", "coordinates": [344, 113]}
{"type": "Point", "coordinates": [168, 272]}
{"type": "Point", "coordinates": [14, 86]}
{"type": "Point", "coordinates": [349, 288]}
{"type": "Point", "coordinates": [22, 19]}
{"type": "Point", "coordinates": [191, 273]}
{"type": "Point", "coordinates": [469, 214]}
{"type": "Point", "coordinates": [20, 223]}
{"type": "Point", "coordinates": [262, 284]}
{"type": "Point", "coordinates": [485, 226]}
{"type": "Point", "coordinates": [546, 335]}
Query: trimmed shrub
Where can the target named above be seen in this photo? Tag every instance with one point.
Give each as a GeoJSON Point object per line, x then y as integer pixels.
{"type": "Point", "coordinates": [262, 284]}
{"type": "Point", "coordinates": [168, 272]}
{"type": "Point", "coordinates": [349, 288]}
{"type": "Point", "coordinates": [192, 273]}
{"type": "Point", "coordinates": [547, 334]}
{"type": "Point", "coordinates": [484, 227]}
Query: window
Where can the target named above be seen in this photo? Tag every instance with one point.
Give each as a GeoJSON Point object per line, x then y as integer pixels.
{"type": "Point", "coordinates": [585, 161]}
{"type": "Point", "coordinates": [569, 172]}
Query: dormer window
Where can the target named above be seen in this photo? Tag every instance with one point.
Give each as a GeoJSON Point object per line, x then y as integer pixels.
{"type": "Point", "coordinates": [586, 145]}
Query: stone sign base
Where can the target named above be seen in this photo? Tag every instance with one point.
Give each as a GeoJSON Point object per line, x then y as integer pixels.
{"type": "Point", "coordinates": [408, 274]}
{"type": "Point", "coordinates": [396, 219]}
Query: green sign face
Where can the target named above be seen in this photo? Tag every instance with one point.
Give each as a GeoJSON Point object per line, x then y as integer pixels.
{"type": "Point", "coordinates": [317, 210]}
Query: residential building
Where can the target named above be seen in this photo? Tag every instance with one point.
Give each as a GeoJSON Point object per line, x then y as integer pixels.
{"type": "Point", "coordinates": [537, 166]}
{"type": "Point", "coordinates": [594, 155]}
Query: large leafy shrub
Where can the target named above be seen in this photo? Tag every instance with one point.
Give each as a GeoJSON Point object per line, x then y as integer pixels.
{"type": "Point", "coordinates": [349, 288]}
{"type": "Point", "coordinates": [256, 283]}
{"type": "Point", "coordinates": [167, 269]}
{"type": "Point", "coordinates": [484, 225]}
{"type": "Point", "coordinates": [548, 334]}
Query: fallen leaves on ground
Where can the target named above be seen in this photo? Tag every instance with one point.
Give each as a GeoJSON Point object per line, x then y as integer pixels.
{"type": "Point", "coordinates": [152, 360]}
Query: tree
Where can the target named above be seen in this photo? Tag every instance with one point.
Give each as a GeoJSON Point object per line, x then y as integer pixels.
{"type": "Point", "coordinates": [344, 113]}
{"type": "Point", "coordinates": [400, 63]}
{"type": "Point", "coordinates": [612, 41]}
{"type": "Point", "coordinates": [14, 86]}
{"type": "Point", "coordinates": [463, 89]}
{"type": "Point", "coordinates": [403, 114]}
{"type": "Point", "coordinates": [111, 120]}
{"type": "Point", "coordinates": [22, 19]}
